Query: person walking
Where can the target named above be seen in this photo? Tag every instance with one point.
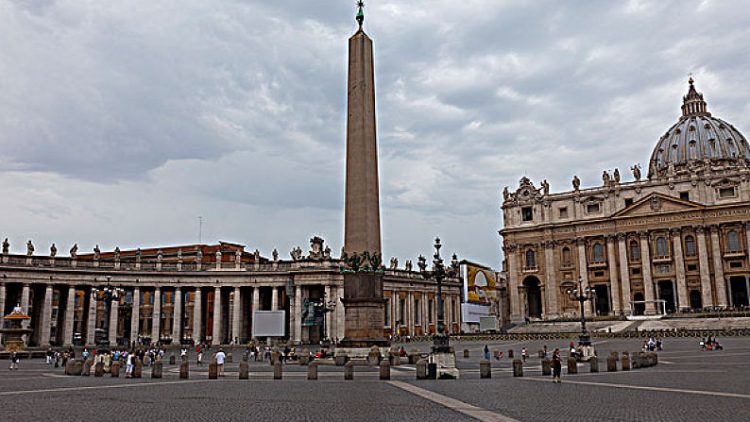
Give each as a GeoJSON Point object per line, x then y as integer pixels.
{"type": "Point", "coordinates": [220, 357]}
{"type": "Point", "coordinates": [556, 366]}
{"type": "Point", "coordinates": [486, 352]}
{"type": "Point", "coordinates": [14, 361]}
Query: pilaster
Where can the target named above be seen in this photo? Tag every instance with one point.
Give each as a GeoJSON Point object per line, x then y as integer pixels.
{"type": "Point", "coordinates": [706, 296]}
{"type": "Point", "coordinates": [614, 282]}
{"type": "Point", "coordinates": [648, 282]}
{"type": "Point", "coordinates": [679, 263]}
{"type": "Point", "coordinates": [720, 281]}
{"type": "Point", "coordinates": [550, 284]}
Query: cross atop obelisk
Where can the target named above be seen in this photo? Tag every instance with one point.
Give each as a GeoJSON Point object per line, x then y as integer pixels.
{"type": "Point", "coordinates": [362, 207]}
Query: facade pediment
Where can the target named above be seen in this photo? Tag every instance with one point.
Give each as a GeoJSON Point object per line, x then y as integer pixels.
{"type": "Point", "coordinates": [658, 203]}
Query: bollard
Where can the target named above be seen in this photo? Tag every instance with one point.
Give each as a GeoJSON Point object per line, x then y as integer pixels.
{"type": "Point", "coordinates": [312, 371]}
{"type": "Point", "coordinates": [546, 367]}
{"type": "Point", "coordinates": [86, 371]}
{"type": "Point", "coordinates": [594, 362]}
{"type": "Point", "coordinates": [99, 369]}
{"type": "Point", "coordinates": [349, 371]}
{"type": "Point", "coordinates": [485, 369]}
{"type": "Point", "coordinates": [422, 369]}
{"type": "Point", "coordinates": [395, 359]}
{"type": "Point", "coordinates": [156, 370]}
{"type": "Point", "coordinates": [373, 356]}
{"type": "Point", "coordinates": [616, 355]}
{"type": "Point", "coordinates": [184, 370]}
{"type": "Point", "coordinates": [625, 361]}
{"type": "Point", "coordinates": [172, 359]}
{"type": "Point", "coordinates": [277, 371]}
{"type": "Point", "coordinates": [572, 366]}
{"type": "Point", "coordinates": [137, 369]}
{"type": "Point", "coordinates": [510, 354]}
{"type": "Point", "coordinates": [466, 353]}
{"type": "Point", "coordinates": [385, 370]}
{"type": "Point", "coordinates": [517, 368]}
{"type": "Point", "coordinates": [340, 360]}
{"type": "Point", "coordinates": [213, 371]}
{"type": "Point", "coordinates": [74, 367]}
{"type": "Point", "coordinates": [612, 363]}
{"type": "Point", "coordinates": [114, 369]}
{"type": "Point", "coordinates": [244, 370]}
{"type": "Point", "coordinates": [230, 357]}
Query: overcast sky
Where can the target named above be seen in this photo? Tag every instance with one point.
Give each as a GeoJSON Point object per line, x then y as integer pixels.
{"type": "Point", "coordinates": [123, 121]}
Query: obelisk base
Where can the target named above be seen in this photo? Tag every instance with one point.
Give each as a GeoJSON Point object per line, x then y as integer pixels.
{"type": "Point", "coordinates": [363, 312]}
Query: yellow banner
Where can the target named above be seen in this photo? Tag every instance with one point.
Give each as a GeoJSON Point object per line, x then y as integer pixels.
{"type": "Point", "coordinates": [481, 285]}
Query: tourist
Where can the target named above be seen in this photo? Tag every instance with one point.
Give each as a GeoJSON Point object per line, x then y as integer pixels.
{"type": "Point", "coordinates": [130, 363]}
{"type": "Point", "coordinates": [486, 352]}
{"type": "Point", "coordinates": [220, 356]}
{"type": "Point", "coordinates": [199, 359]}
{"type": "Point", "coordinates": [85, 354]}
{"type": "Point", "coordinates": [524, 354]}
{"type": "Point", "coordinates": [545, 354]}
{"type": "Point", "coordinates": [556, 366]}
{"type": "Point", "coordinates": [572, 350]}
{"type": "Point", "coordinates": [14, 361]}
{"type": "Point", "coordinates": [50, 354]}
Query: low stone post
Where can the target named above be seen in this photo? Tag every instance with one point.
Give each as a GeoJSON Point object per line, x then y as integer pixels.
{"type": "Point", "coordinates": [625, 361]}
{"type": "Point", "coordinates": [99, 369]}
{"type": "Point", "coordinates": [340, 360]}
{"type": "Point", "coordinates": [230, 357]}
{"type": "Point", "coordinates": [312, 371]}
{"type": "Point", "coordinates": [594, 362]}
{"type": "Point", "coordinates": [213, 370]}
{"type": "Point", "coordinates": [74, 367]}
{"type": "Point", "coordinates": [616, 355]}
{"type": "Point", "coordinates": [373, 356]}
{"type": "Point", "coordinates": [349, 371]}
{"type": "Point", "coordinates": [156, 369]}
{"type": "Point", "coordinates": [304, 357]}
{"type": "Point", "coordinates": [114, 369]}
{"type": "Point", "coordinates": [184, 370]}
{"type": "Point", "coordinates": [385, 370]}
{"type": "Point", "coordinates": [510, 353]}
{"type": "Point", "coordinates": [138, 368]}
{"type": "Point", "coordinates": [172, 359]}
{"type": "Point", "coordinates": [277, 370]}
{"type": "Point", "coordinates": [485, 369]}
{"type": "Point", "coordinates": [517, 368]}
{"type": "Point", "coordinates": [572, 366]}
{"type": "Point", "coordinates": [612, 363]}
{"type": "Point", "coordinates": [422, 369]}
{"type": "Point", "coordinates": [546, 367]}
{"type": "Point", "coordinates": [466, 353]}
{"type": "Point", "coordinates": [86, 371]}
{"type": "Point", "coordinates": [244, 370]}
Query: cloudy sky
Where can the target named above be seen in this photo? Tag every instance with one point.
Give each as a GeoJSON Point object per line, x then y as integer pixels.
{"type": "Point", "coordinates": [123, 121]}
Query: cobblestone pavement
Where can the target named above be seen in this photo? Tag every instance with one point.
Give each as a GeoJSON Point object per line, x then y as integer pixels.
{"type": "Point", "coordinates": [687, 385]}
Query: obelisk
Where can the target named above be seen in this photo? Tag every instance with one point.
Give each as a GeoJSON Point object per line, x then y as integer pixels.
{"type": "Point", "coordinates": [363, 291]}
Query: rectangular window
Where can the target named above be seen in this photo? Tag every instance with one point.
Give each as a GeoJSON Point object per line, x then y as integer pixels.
{"type": "Point", "coordinates": [735, 264]}
{"type": "Point", "coordinates": [527, 213]}
{"type": "Point", "coordinates": [416, 312]}
{"type": "Point", "coordinates": [692, 267]}
{"type": "Point", "coordinates": [402, 311]}
{"type": "Point", "coordinates": [598, 273]}
{"type": "Point", "coordinates": [563, 212]}
{"type": "Point", "coordinates": [726, 192]}
{"type": "Point", "coordinates": [635, 271]}
{"type": "Point", "coordinates": [592, 208]}
{"type": "Point", "coordinates": [628, 202]}
{"type": "Point", "coordinates": [685, 196]}
{"type": "Point", "coordinates": [429, 311]}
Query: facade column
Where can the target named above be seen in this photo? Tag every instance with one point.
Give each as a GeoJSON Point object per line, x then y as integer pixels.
{"type": "Point", "coordinates": [513, 281]}
{"type": "Point", "coordinates": [216, 335]}
{"type": "Point", "coordinates": [297, 330]}
{"type": "Point", "coordinates": [648, 282]}
{"type": "Point", "coordinates": [274, 299]}
{"type": "Point", "coordinates": [550, 283]}
{"type": "Point", "coordinates": [624, 273]}
{"type": "Point", "coordinates": [177, 316]}
{"type": "Point", "coordinates": [614, 282]}
{"type": "Point", "coordinates": [2, 308]}
{"type": "Point", "coordinates": [69, 315]}
{"type": "Point", "coordinates": [91, 319]}
{"type": "Point", "coordinates": [747, 243]}
{"type": "Point", "coordinates": [113, 318]}
{"type": "Point", "coordinates": [135, 315]}
{"type": "Point", "coordinates": [236, 316]}
{"type": "Point", "coordinates": [706, 296]}
{"type": "Point", "coordinates": [721, 283]}
{"type": "Point", "coordinates": [25, 309]}
{"type": "Point", "coordinates": [44, 326]}
{"type": "Point", "coordinates": [410, 312]}
{"type": "Point", "coordinates": [197, 315]}
{"type": "Point", "coordinates": [679, 263]}
{"type": "Point", "coordinates": [156, 316]}
{"type": "Point", "coordinates": [583, 270]}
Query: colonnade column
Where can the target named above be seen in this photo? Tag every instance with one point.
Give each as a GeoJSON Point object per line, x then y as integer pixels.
{"type": "Point", "coordinates": [197, 315]}
{"type": "Point", "coordinates": [327, 315]}
{"type": "Point", "coordinates": [91, 319]}
{"type": "Point", "coordinates": [25, 309]}
{"type": "Point", "coordinates": [614, 281]}
{"type": "Point", "coordinates": [706, 296]}
{"type": "Point", "coordinates": [513, 276]}
{"type": "Point", "coordinates": [679, 263]}
{"type": "Point", "coordinates": [624, 271]}
{"type": "Point", "coordinates": [113, 314]}
{"type": "Point", "coordinates": [721, 283]}
{"type": "Point", "coordinates": [340, 312]}
{"type": "Point", "coordinates": [274, 299]}
{"type": "Point", "coordinates": [69, 316]}
{"type": "Point", "coordinates": [236, 315]}
{"type": "Point", "coordinates": [583, 269]}
{"type": "Point", "coordinates": [177, 316]}
{"type": "Point", "coordinates": [2, 308]}
{"type": "Point", "coordinates": [135, 315]}
{"type": "Point", "coordinates": [648, 282]}
{"type": "Point", "coordinates": [747, 244]}
{"type": "Point", "coordinates": [297, 330]}
{"type": "Point", "coordinates": [410, 312]}
{"type": "Point", "coordinates": [156, 316]}
{"type": "Point", "coordinates": [44, 325]}
{"type": "Point", "coordinates": [550, 281]}
{"type": "Point", "coordinates": [216, 332]}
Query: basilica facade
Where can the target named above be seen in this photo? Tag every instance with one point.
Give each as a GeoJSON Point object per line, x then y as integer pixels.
{"type": "Point", "coordinates": [674, 241]}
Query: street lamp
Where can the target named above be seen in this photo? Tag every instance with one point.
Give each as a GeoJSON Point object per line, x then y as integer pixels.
{"type": "Point", "coordinates": [582, 296]}
{"type": "Point", "coordinates": [325, 307]}
{"type": "Point", "coordinates": [108, 294]}
{"type": "Point", "coordinates": [440, 341]}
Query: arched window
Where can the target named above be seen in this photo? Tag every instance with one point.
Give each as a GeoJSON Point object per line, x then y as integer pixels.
{"type": "Point", "coordinates": [598, 253]}
{"type": "Point", "coordinates": [566, 257]}
{"type": "Point", "coordinates": [690, 246]}
{"type": "Point", "coordinates": [733, 241]}
{"type": "Point", "coordinates": [662, 247]}
{"type": "Point", "coordinates": [530, 259]}
{"type": "Point", "coordinates": [635, 253]}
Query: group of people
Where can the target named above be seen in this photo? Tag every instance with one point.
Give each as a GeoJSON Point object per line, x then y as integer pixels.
{"type": "Point", "coordinates": [710, 343]}
{"type": "Point", "coordinates": [653, 345]}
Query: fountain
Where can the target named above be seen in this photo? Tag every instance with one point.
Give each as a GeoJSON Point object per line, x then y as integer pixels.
{"type": "Point", "coordinates": [14, 330]}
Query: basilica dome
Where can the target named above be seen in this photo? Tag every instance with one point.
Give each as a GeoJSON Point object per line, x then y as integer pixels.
{"type": "Point", "coordinates": [698, 138]}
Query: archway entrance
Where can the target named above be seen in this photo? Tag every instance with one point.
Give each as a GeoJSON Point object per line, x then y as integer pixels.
{"type": "Point", "coordinates": [666, 293]}
{"type": "Point", "coordinates": [601, 302]}
{"type": "Point", "coordinates": [638, 308]}
{"type": "Point", "coordinates": [738, 287]}
{"type": "Point", "coordinates": [695, 299]}
{"type": "Point", "coordinates": [533, 297]}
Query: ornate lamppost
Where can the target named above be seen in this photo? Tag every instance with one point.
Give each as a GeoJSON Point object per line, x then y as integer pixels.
{"type": "Point", "coordinates": [440, 341]}
{"type": "Point", "coordinates": [582, 296]}
{"type": "Point", "coordinates": [108, 294]}
{"type": "Point", "coordinates": [324, 307]}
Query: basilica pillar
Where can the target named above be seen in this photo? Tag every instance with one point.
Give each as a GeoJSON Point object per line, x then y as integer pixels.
{"type": "Point", "coordinates": [236, 316]}
{"type": "Point", "coordinates": [197, 315]}
{"type": "Point", "coordinates": [216, 334]}
{"type": "Point", "coordinates": [156, 317]}
{"type": "Point", "coordinates": [706, 296]}
{"type": "Point", "coordinates": [91, 319]}
{"type": "Point", "coordinates": [113, 318]}
{"type": "Point", "coordinates": [679, 263]}
{"type": "Point", "coordinates": [177, 316]}
{"type": "Point", "coordinates": [648, 282]}
{"type": "Point", "coordinates": [513, 282]}
{"type": "Point", "coordinates": [2, 308]}
{"type": "Point", "coordinates": [297, 329]}
{"type": "Point", "coordinates": [44, 326]}
{"type": "Point", "coordinates": [135, 315]}
{"type": "Point", "coordinates": [721, 283]}
{"type": "Point", "coordinates": [583, 270]}
{"type": "Point", "coordinates": [551, 287]}
{"type": "Point", "coordinates": [69, 317]}
{"type": "Point", "coordinates": [614, 282]}
{"type": "Point", "coordinates": [624, 272]}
